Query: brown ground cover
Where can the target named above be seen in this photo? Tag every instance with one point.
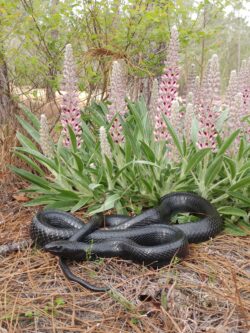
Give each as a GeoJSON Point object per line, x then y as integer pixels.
{"type": "Point", "coordinates": [209, 291]}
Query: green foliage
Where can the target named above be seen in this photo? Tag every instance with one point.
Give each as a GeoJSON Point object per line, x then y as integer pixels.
{"type": "Point", "coordinates": [56, 304]}
{"type": "Point", "coordinates": [34, 33]}
{"type": "Point", "coordinates": [139, 172]}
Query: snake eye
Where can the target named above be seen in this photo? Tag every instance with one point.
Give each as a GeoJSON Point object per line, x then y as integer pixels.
{"type": "Point", "coordinates": [59, 248]}
{"type": "Point", "coordinates": [54, 248]}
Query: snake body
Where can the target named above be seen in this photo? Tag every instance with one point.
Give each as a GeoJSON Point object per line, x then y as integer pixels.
{"type": "Point", "coordinates": [146, 238]}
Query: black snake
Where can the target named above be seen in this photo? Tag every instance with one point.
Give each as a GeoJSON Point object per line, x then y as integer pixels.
{"type": "Point", "coordinates": [146, 238]}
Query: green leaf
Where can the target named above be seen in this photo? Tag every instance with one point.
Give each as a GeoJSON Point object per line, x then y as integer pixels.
{"type": "Point", "coordinates": [174, 136]}
{"type": "Point", "coordinates": [239, 229]}
{"type": "Point", "coordinates": [35, 121]}
{"type": "Point", "coordinates": [195, 159]}
{"type": "Point", "coordinates": [227, 143]}
{"type": "Point", "coordinates": [103, 107]}
{"type": "Point", "coordinates": [241, 150]}
{"type": "Point", "coordinates": [81, 203]}
{"type": "Point", "coordinates": [79, 162]}
{"type": "Point", "coordinates": [93, 186]}
{"type": "Point", "coordinates": [72, 139]}
{"type": "Point", "coordinates": [59, 301]}
{"type": "Point", "coordinates": [31, 163]}
{"type": "Point", "coordinates": [240, 196]}
{"type": "Point", "coordinates": [109, 166]}
{"type": "Point", "coordinates": [128, 151]}
{"type": "Point", "coordinates": [245, 167]}
{"type": "Point", "coordinates": [25, 142]}
{"type": "Point", "coordinates": [108, 204]}
{"type": "Point", "coordinates": [32, 178]}
{"type": "Point", "coordinates": [37, 190]}
{"type": "Point", "coordinates": [137, 118]}
{"type": "Point", "coordinates": [40, 157]}
{"type": "Point", "coordinates": [148, 152]}
{"type": "Point", "coordinates": [240, 184]}
{"type": "Point", "coordinates": [233, 211]}
{"type": "Point", "coordinates": [134, 163]}
{"type": "Point", "coordinates": [88, 137]}
{"type": "Point", "coordinates": [41, 200]}
{"type": "Point", "coordinates": [220, 198]}
{"type": "Point", "coordinates": [232, 166]}
{"type": "Point", "coordinates": [146, 163]}
{"type": "Point", "coordinates": [66, 194]}
{"type": "Point", "coordinates": [63, 205]}
{"type": "Point", "coordinates": [147, 185]}
{"type": "Point", "coordinates": [29, 129]}
{"type": "Point", "coordinates": [184, 145]}
{"type": "Point", "coordinates": [213, 170]}
{"type": "Point", "coordinates": [129, 136]}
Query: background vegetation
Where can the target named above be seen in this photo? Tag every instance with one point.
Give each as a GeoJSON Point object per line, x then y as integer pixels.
{"type": "Point", "coordinates": [33, 35]}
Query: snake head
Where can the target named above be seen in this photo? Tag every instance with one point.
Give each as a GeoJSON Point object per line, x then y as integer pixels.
{"type": "Point", "coordinates": [65, 249]}
{"type": "Point", "coordinates": [58, 248]}
{"type": "Point", "coordinates": [55, 248]}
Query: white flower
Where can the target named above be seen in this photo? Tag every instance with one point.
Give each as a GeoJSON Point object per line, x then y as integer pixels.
{"type": "Point", "coordinates": [45, 139]}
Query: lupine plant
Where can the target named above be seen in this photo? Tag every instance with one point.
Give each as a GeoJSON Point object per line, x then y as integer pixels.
{"type": "Point", "coordinates": [168, 87]}
{"type": "Point", "coordinates": [232, 88]}
{"type": "Point", "coordinates": [209, 105]}
{"type": "Point", "coordinates": [123, 156]}
{"type": "Point", "coordinates": [117, 97]}
{"type": "Point", "coordinates": [70, 111]}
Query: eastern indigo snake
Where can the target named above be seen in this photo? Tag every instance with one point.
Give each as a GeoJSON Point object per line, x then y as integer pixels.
{"type": "Point", "coordinates": [146, 238]}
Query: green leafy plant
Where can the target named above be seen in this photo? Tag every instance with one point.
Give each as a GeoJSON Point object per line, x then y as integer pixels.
{"type": "Point", "coordinates": [51, 308]}
{"type": "Point", "coordinates": [138, 173]}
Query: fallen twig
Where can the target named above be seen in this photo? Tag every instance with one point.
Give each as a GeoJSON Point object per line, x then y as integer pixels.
{"type": "Point", "coordinates": [11, 247]}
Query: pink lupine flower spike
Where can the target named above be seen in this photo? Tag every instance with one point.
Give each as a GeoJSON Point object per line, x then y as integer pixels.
{"type": "Point", "coordinates": [70, 110]}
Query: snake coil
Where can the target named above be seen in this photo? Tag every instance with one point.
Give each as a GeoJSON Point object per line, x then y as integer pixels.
{"type": "Point", "coordinates": [146, 238]}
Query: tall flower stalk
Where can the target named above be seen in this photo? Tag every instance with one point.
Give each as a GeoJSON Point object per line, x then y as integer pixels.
{"type": "Point", "coordinates": [70, 110]}
{"type": "Point", "coordinates": [46, 143]}
{"type": "Point", "coordinates": [210, 89]}
{"type": "Point", "coordinates": [190, 98]}
{"type": "Point", "coordinates": [214, 84]}
{"type": "Point", "coordinates": [232, 89]}
{"type": "Point", "coordinates": [118, 83]}
{"type": "Point", "coordinates": [189, 116]}
{"type": "Point", "coordinates": [197, 94]}
{"type": "Point", "coordinates": [175, 117]}
{"type": "Point", "coordinates": [209, 105]}
{"type": "Point", "coordinates": [191, 79]}
{"type": "Point", "coordinates": [168, 86]}
{"type": "Point", "coordinates": [234, 121]}
{"type": "Point", "coordinates": [244, 85]}
{"type": "Point", "coordinates": [105, 146]}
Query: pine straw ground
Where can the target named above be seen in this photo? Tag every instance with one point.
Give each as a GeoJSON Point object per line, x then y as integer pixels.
{"type": "Point", "coordinates": [209, 291]}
